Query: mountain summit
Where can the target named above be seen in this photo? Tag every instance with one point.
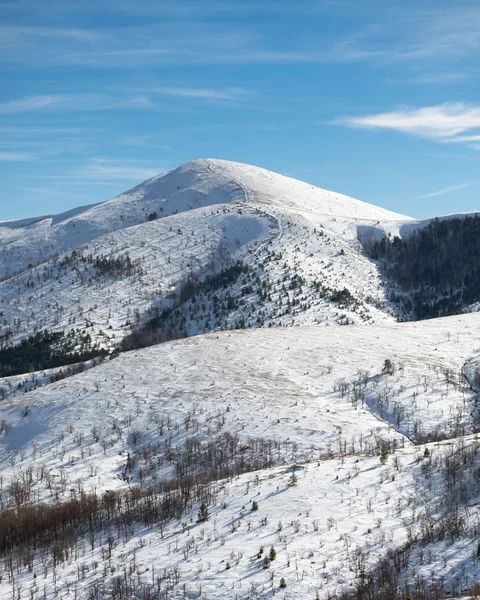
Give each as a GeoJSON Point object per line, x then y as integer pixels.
{"type": "Point", "coordinates": [196, 184]}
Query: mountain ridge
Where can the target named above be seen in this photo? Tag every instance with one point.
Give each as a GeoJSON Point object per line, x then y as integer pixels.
{"type": "Point", "coordinates": [190, 186]}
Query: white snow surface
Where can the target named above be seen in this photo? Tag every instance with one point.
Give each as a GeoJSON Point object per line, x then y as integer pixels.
{"type": "Point", "coordinates": [275, 384]}
{"type": "Point", "coordinates": [322, 396]}
{"type": "Point", "coordinates": [245, 376]}
{"type": "Point", "coordinates": [200, 183]}
{"type": "Point", "coordinates": [207, 208]}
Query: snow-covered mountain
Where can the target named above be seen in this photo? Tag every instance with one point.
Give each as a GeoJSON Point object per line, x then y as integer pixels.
{"type": "Point", "coordinates": [196, 184]}
{"type": "Point", "coordinates": [269, 451]}
{"type": "Point", "coordinates": [299, 242]}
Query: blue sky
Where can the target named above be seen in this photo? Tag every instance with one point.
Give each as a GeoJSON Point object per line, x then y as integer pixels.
{"type": "Point", "coordinates": [378, 100]}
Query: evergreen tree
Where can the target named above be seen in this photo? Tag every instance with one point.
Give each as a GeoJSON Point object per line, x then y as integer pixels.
{"type": "Point", "coordinates": [203, 514]}
{"type": "Point", "coordinates": [388, 368]}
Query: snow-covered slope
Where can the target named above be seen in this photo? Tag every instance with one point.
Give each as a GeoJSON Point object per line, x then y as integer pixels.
{"type": "Point", "coordinates": [332, 390]}
{"type": "Point", "coordinates": [299, 242]}
{"type": "Point", "coordinates": [59, 294]}
{"type": "Point", "coordinates": [194, 185]}
{"type": "Point", "coordinates": [279, 191]}
{"type": "Point", "coordinates": [310, 396]}
{"type": "Point", "coordinates": [188, 187]}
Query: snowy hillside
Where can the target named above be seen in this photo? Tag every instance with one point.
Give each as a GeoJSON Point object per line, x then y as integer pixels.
{"type": "Point", "coordinates": [106, 269]}
{"type": "Point", "coordinates": [278, 191]}
{"type": "Point", "coordinates": [188, 187]}
{"type": "Point", "coordinates": [351, 407]}
{"type": "Point", "coordinates": [331, 396]}
{"type": "Point", "coordinates": [194, 185]}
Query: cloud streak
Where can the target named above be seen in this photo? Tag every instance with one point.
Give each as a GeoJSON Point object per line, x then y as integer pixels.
{"type": "Point", "coordinates": [15, 156]}
{"type": "Point", "coordinates": [447, 190]}
{"type": "Point", "coordinates": [117, 170]}
{"type": "Point", "coordinates": [103, 171]}
{"type": "Point", "coordinates": [185, 33]}
{"type": "Point", "coordinates": [31, 131]}
{"type": "Point", "coordinates": [450, 122]}
{"type": "Point", "coordinates": [172, 43]}
{"type": "Point", "coordinates": [74, 102]}
{"type": "Point", "coordinates": [30, 103]}
{"type": "Point", "coordinates": [198, 93]}
{"type": "Point", "coordinates": [103, 102]}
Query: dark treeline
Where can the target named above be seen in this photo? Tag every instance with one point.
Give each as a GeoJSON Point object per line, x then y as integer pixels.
{"type": "Point", "coordinates": [170, 324]}
{"type": "Point", "coordinates": [223, 279]}
{"type": "Point", "coordinates": [58, 527]}
{"type": "Point", "coordinates": [437, 268]}
{"type": "Point", "coordinates": [105, 266]}
{"type": "Point", "coordinates": [47, 350]}
{"type": "Point", "coordinates": [196, 467]}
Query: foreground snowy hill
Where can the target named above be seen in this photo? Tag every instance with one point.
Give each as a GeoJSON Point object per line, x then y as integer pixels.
{"type": "Point", "coordinates": [352, 407]}
{"type": "Point", "coordinates": [333, 395]}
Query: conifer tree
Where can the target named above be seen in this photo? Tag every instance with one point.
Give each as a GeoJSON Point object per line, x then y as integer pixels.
{"type": "Point", "coordinates": [203, 514]}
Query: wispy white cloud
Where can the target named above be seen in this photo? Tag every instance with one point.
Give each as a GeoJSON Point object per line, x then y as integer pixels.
{"type": "Point", "coordinates": [443, 78]}
{"type": "Point", "coordinates": [14, 34]}
{"type": "Point", "coordinates": [417, 34]}
{"type": "Point", "coordinates": [101, 171]}
{"type": "Point", "coordinates": [442, 123]}
{"type": "Point", "coordinates": [201, 8]}
{"type": "Point", "coordinates": [180, 33]}
{"type": "Point", "coordinates": [174, 42]}
{"type": "Point", "coordinates": [169, 9]}
{"type": "Point", "coordinates": [32, 131]}
{"type": "Point", "coordinates": [50, 191]}
{"type": "Point", "coordinates": [447, 190]}
{"type": "Point", "coordinates": [15, 156]}
{"type": "Point", "coordinates": [198, 93]}
{"type": "Point", "coordinates": [144, 141]}
{"type": "Point", "coordinates": [449, 32]}
{"type": "Point", "coordinates": [466, 138]}
{"type": "Point", "coordinates": [115, 170]}
{"type": "Point", "coordinates": [73, 102]}
{"type": "Point", "coordinates": [30, 103]}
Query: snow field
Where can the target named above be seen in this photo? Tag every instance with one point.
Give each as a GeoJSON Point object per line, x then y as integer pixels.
{"type": "Point", "coordinates": [239, 382]}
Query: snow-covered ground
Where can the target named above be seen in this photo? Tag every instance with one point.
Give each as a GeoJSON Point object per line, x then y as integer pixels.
{"type": "Point", "coordinates": [210, 213]}
{"type": "Point", "coordinates": [361, 437]}
{"type": "Point", "coordinates": [328, 397]}
{"type": "Point", "coordinates": [200, 183]}
{"type": "Point", "coordinates": [293, 388]}
{"type": "Point", "coordinates": [54, 295]}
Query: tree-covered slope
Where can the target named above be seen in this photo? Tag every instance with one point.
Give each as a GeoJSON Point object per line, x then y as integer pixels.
{"type": "Point", "coordinates": [435, 271]}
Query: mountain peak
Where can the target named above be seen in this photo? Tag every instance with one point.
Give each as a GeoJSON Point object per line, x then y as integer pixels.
{"type": "Point", "coordinates": [196, 184]}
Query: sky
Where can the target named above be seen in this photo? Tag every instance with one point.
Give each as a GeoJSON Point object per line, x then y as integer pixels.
{"type": "Point", "coordinates": [378, 100]}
